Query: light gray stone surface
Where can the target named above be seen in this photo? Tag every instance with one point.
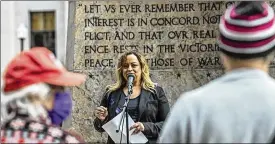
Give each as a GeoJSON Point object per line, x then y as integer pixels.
{"type": "Point", "coordinates": [175, 79]}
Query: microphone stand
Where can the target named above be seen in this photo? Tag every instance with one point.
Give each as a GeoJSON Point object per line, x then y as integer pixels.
{"type": "Point", "coordinates": [125, 113]}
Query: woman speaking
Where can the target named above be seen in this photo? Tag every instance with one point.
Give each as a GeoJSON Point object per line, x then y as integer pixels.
{"type": "Point", "coordinates": [148, 105]}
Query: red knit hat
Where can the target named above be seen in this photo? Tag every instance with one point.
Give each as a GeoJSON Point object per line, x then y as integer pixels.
{"type": "Point", "coordinates": [248, 29]}
{"type": "Point", "coordinates": [38, 65]}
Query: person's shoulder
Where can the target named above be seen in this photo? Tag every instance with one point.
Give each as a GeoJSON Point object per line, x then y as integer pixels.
{"type": "Point", "coordinates": [158, 87]}
{"type": "Point", "coordinates": [109, 92]}
{"type": "Point", "coordinates": [200, 91]}
{"type": "Point", "coordinates": [271, 81]}
{"type": "Point", "coordinates": [200, 95]}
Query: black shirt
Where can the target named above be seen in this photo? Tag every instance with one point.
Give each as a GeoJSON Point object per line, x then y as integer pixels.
{"type": "Point", "coordinates": [133, 108]}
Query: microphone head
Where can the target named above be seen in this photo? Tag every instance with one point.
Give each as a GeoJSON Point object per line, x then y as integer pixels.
{"type": "Point", "coordinates": [131, 76]}
{"type": "Point", "coordinates": [130, 81]}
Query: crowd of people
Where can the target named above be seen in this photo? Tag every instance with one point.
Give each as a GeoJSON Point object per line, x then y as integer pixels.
{"type": "Point", "coordinates": [239, 106]}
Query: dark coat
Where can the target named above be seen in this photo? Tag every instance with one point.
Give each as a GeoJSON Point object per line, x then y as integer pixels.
{"type": "Point", "coordinates": [153, 109]}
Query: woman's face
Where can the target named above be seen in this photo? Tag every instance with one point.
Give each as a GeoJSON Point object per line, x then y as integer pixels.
{"type": "Point", "coordinates": [132, 66]}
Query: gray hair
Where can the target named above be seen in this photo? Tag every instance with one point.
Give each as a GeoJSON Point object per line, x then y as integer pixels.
{"type": "Point", "coordinates": [20, 99]}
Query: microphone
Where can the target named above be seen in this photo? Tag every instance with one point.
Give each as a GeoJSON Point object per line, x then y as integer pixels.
{"type": "Point", "coordinates": [130, 82]}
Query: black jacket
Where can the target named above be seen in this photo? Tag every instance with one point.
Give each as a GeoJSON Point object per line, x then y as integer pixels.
{"type": "Point", "coordinates": [153, 109]}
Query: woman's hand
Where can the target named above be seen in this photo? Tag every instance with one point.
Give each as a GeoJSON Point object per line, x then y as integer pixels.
{"type": "Point", "coordinates": [101, 112]}
{"type": "Point", "coordinates": [138, 126]}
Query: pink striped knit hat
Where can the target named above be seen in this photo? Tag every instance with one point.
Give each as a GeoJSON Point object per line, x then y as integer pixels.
{"type": "Point", "coordinates": [247, 30]}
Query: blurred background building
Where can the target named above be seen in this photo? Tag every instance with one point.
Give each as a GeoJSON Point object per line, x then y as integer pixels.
{"type": "Point", "coordinates": [25, 24]}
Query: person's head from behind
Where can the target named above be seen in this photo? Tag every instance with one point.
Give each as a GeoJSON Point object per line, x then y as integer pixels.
{"type": "Point", "coordinates": [35, 82]}
{"type": "Point", "coordinates": [132, 63]}
{"type": "Point", "coordinates": [247, 35]}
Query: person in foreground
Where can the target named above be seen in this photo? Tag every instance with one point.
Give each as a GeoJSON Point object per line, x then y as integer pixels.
{"type": "Point", "coordinates": [34, 100]}
{"type": "Point", "coordinates": [238, 107]}
{"type": "Point", "coordinates": [148, 105]}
